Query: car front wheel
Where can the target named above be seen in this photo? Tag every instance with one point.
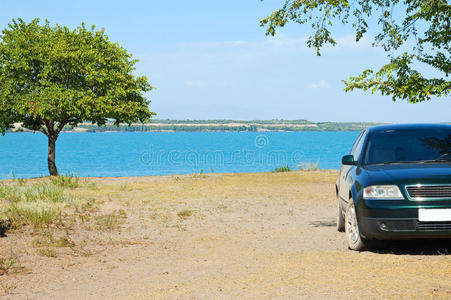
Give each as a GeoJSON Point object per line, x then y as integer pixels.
{"type": "Point", "coordinates": [355, 241]}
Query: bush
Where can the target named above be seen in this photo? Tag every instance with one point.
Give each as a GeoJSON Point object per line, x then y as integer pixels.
{"type": "Point", "coordinates": [282, 169]}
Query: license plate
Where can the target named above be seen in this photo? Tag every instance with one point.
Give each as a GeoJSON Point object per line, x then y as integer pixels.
{"type": "Point", "coordinates": [434, 215]}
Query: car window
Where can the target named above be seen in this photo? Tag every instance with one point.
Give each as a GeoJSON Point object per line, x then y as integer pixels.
{"type": "Point", "coordinates": [408, 145]}
{"type": "Point", "coordinates": [356, 142]}
{"type": "Point", "coordinates": [359, 146]}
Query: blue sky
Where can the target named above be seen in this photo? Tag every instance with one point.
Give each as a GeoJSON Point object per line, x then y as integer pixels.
{"type": "Point", "coordinates": [211, 60]}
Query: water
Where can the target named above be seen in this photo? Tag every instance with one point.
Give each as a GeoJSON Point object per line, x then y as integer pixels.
{"type": "Point", "coordinates": [160, 153]}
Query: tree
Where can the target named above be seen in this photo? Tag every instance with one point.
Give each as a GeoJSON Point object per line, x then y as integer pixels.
{"type": "Point", "coordinates": [421, 36]}
{"type": "Point", "coordinates": [51, 77]}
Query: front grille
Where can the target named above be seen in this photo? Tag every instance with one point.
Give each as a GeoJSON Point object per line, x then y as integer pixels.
{"type": "Point", "coordinates": [433, 226]}
{"type": "Point", "coordinates": [421, 192]}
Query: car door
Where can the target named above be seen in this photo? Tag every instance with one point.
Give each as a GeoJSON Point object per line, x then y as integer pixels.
{"type": "Point", "coordinates": [347, 173]}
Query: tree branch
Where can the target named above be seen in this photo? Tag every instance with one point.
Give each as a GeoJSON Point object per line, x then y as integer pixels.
{"type": "Point", "coordinates": [61, 125]}
{"type": "Point", "coordinates": [50, 128]}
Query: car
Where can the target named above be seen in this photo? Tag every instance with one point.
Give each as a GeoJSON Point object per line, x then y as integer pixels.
{"type": "Point", "coordinates": [396, 184]}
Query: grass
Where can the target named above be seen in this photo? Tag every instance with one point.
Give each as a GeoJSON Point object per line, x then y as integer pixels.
{"type": "Point", "coordinates": [124, 187]}
{"type": "Point", "coordinates": [185, 213]}
{"type": "Point", "coordinates": [8, 264]}
{"type": "Point", "coordinates": [201, 174]}
{"type": "Point", "coordinates": [92, 186]}
{"type": "Point", "coordinates": [110, 221]}
{"type": "Point", "coordinates": [46, 202]}
{"type": "Point", "coordinates": [222, 206]}
{"type": "Point", "coordinates": [47, 239]}
{"type": "Point", "coordinates": [38, 205]}
{"type": "Point", "coordinates": [282, 169]}
{"type": "Point", "coordinates": [47, 252]}
{"type": "Point", "coordinates": [67, 181]}
{"type": "Point", "coordinates": [36, 214]}
{"type": "Point", "coordinates": [49, 211]}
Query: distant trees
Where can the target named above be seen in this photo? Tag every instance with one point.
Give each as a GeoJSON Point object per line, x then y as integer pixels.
{"type": "Point", "coordinates": [419, 30]}
{"type": "Point", "coordinates": [53, 76]}
{"type": "Point", "coordinates": [232, 125]}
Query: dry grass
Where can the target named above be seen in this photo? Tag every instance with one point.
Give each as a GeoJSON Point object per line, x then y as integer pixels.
{"type": "Point", "coordinates": [166, 190]}
{"type": "Point", "coordinates": [185, 213]}
{"type": "Point", "coordinates": [205, 236]}
{"type": "Point", "coordinates": [110, 221]}
{"type": "Point", "coordinates": [8, 263]}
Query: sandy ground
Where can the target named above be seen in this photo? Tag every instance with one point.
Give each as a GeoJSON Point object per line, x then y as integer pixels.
{"type": "Point", "coordinates": [249, 236]}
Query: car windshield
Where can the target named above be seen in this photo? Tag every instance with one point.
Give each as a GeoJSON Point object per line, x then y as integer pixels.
{"type": "Point", "coordinates": [408, 145]}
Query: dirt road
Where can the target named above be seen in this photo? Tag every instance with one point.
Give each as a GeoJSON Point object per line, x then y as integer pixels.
{"type": "Point", "coordinates": [242, 236]}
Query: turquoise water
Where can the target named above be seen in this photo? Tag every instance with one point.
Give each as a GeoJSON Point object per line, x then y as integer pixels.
{"type": "Point", "coordinates": [160, 153]}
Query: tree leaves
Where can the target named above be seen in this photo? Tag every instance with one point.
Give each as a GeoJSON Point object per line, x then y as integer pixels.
{"type": "Point", "coordinates": [400, 81]}
{"type": "Point", "coordinates": [424, 31]}
{"type": "Point", "coordinates": [54, 75]}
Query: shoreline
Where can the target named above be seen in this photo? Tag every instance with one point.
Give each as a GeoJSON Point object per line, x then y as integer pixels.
{"type": "Point", "coordinates": [185, 131]}
{"type": "Point", "coordinates": [173, 175]}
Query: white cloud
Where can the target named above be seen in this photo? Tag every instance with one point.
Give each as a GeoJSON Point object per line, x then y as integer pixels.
{"type": "Point", "coordinates": [319, 85]}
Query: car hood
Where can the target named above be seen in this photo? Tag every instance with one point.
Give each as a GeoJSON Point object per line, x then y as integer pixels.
{"type": "Point", "coordinates": [409, 173]}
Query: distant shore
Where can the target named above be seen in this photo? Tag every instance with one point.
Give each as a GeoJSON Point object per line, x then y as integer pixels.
{"type": "Point", "coordinates": [167, 125]}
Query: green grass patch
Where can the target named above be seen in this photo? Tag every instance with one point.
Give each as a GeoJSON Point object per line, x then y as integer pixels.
{"type": "Point", "coordinates": [38, 205]}
{"type": "Point", "coordinates": [66, 181]}
{"type": "Point", "coordinates": [282, 169]}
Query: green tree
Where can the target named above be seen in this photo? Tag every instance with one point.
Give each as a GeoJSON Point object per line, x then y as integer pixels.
{"type": "Point", "coordinates": [421, 36]}
{"type": "Point", "coordinates": [51, 77]}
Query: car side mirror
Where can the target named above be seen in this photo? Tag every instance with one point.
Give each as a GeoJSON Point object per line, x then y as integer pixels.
{"type": "Point", "coordinates": [348, 160]}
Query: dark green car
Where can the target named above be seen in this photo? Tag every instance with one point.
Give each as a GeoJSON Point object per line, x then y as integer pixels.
{"type": "Point", "coordinates": [396, 184]}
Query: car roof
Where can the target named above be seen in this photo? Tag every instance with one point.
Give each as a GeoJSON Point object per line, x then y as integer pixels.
{"type": "Point", "coordinates": [409, 127]}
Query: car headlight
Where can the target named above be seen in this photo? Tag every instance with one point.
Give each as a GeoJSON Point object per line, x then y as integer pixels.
{"type": "Point", "coordinates": [382, 192]}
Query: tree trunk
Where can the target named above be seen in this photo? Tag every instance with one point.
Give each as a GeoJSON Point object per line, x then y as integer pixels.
{"type": "Point", "coordinates": [51, 157]}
